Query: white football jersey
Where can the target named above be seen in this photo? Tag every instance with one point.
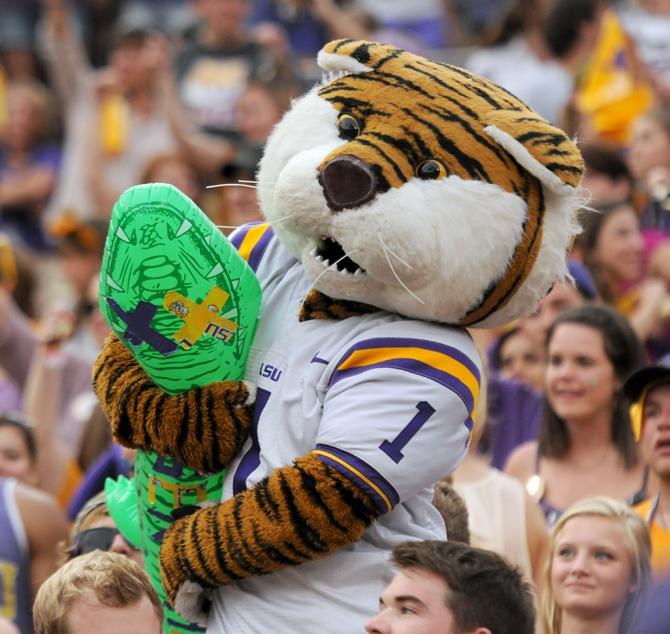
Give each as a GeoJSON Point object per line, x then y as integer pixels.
{"type": "Point", "coordinates": [385, 400]}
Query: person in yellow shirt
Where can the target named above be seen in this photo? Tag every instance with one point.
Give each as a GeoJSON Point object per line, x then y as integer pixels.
{"type": "Point", "coordinates": [649, 390]}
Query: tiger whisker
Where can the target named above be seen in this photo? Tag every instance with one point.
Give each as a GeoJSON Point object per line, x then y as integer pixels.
{"type": "Point", "coordinates": [238, 226]}
{"type": "Point", "coordinates": [231, 185]}
{"type": "Point", "coordinates": [282, 219]}
{"type": "Point", "coordinates": [334, 264]}
{"type": "Point", "coordinates": [388, 260]}
{"type": "Point", "coordinates": [397, 257]}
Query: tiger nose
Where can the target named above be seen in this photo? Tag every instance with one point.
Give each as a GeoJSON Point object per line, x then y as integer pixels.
{"type": "Point", "coordinates": [347, 183]}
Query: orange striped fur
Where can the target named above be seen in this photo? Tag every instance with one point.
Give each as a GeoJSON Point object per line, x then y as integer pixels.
{"type": "Point", "coordinates": [203, 428]}
{"type": "Point", "coordinates": [300, 513]}
{"type": "Point", "coordinates": [320, 306]}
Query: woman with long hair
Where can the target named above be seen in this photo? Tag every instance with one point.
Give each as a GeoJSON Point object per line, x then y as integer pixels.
{"type": "Point", "coordinates": [586, 445]}
{"type": "Point", "coordinates": [628, 269]}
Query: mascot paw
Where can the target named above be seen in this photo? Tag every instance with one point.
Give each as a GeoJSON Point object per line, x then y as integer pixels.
{"type": "Point", "coordinates": [142, 416]}
{"type": "Point", "coordinates": [118, 381]}
{"type": "Point", "coordinates": [192, 602]}
{"type": "Point", "coordinates": [186, 593]}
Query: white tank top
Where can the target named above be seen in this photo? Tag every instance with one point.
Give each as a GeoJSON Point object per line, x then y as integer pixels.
{"type": "Point", "coordinates": [497, 517]}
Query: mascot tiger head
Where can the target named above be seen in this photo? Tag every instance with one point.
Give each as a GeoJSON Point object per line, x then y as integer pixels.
{"type": "Point", "coordinates": [421, 188]}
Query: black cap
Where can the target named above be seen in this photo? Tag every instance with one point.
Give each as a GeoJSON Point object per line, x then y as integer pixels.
{"type": "Point", "coordinates": [643, 378]}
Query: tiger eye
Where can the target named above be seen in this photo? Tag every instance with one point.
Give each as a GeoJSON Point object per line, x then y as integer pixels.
{"type": "Point", "coordinates": [431, 170]}
{"type": "Point", "coordinates": [348, 126]}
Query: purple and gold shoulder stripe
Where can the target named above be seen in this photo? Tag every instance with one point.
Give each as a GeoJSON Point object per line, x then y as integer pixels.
{"type": "Point", "coordinates": [434, 361]}
{"type": "Point", "coordinates": [378, 488]}
{"type": "Point", "coordinates": [252, 241]}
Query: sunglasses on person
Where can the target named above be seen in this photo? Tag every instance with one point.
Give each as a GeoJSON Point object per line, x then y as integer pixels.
{"type": "Point", "coordinates": [96, 539]}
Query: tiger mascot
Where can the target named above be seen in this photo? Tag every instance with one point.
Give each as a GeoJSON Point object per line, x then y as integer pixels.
{"type": "Point", "coordinates": [405, 199]}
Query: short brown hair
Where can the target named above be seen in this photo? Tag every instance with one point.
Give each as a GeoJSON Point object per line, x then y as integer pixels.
{"type": "Point", "coordinates": [106, 578]}
{"type": "Point", "coordinates": [484, 590]}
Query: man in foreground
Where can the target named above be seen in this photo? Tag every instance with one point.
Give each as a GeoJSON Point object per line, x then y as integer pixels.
{"type": "Point", "coordinates": [451, 588]}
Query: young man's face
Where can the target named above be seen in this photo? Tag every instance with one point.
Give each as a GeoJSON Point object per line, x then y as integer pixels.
{"type": "Point", "coordinates": [656, 430]}
{"type": "Point", "coordinates": [413, 603]}
{"type": "Point", "coordinates": [139, 618]}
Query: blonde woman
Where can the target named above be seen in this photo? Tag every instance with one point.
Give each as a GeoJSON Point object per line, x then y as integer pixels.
{"type": "Point", "coordinates": [598, 568]}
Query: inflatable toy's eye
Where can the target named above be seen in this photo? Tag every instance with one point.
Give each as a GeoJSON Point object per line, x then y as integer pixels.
{"type": "Point", "coordinates": [431, 170]}
{"type": "Point", "coordinates": [348, 126]}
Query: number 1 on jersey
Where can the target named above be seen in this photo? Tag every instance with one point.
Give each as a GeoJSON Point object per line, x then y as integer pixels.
{"type": "Point", "coordinates": [394, 448]}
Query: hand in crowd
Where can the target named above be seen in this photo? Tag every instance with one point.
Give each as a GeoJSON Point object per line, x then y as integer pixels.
{"type": "Point", "coordinates": [653, 308]}
{"type": "Point", "coordinates": [654, 294]}
{"type": "Point", "coordinates": [57, 326]}
{"type": "Point", "coordinates": [657, 183]}
{"type": "Point", "coordinates": [661, 87]}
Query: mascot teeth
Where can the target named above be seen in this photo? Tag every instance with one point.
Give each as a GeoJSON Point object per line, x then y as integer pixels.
{"type": "Point", "coordinates": [331, 76]}
{"type": "Point", "coordinates": [331, 253]}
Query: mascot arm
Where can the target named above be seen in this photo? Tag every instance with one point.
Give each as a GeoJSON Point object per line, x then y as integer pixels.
{"type": "Point", "coordinates": [204, 428]}
{"type": "Point", "coordinates": [297, 514]}
{"type": "Point", "coordinates": [375, 447]}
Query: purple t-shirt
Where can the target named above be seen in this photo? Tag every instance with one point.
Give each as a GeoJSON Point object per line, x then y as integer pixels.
{"type": "Point", "coordinates": [23, 222]}
{"type": "Point", "coordinates": [514, 417]}
{"type": "Point", "coordinates": [15, 593]}
{"type": "Point", "coordinates": [10, 396]}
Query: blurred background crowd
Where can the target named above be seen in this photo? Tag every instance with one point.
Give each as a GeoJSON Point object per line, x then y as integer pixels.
{"type": "Point", "coordinates": [100, 95]}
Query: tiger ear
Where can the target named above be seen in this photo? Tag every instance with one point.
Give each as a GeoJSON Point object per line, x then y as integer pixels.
{"type": "Point", "coordinates": [345, 56]}
{"type": "Point", "coordinates": [542, 149]}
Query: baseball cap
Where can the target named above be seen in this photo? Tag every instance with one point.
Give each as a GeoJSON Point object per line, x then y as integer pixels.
{"type": "Point", "coordinates": [641, 380]}
{"type": "Point", "coordinates": [638, 384]}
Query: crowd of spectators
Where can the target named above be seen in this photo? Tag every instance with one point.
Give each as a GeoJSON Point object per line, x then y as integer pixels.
{"type": "Point", "coordinates": [97, 96]}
